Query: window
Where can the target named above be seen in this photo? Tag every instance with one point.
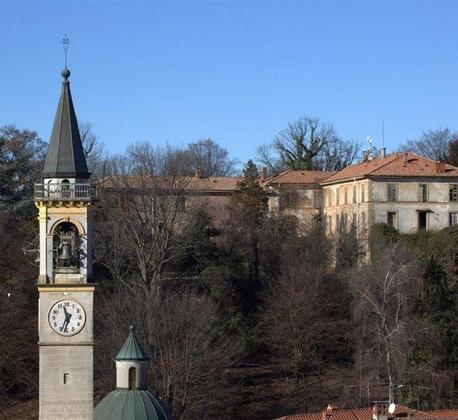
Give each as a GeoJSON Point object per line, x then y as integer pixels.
{"type": "Point", "coordinates": [344, 221]}
{"type": "Point", "coordinates": [66, 377]}
{"type": "Point", "coordinates": [423, 193]}
{"type": "Point", "coordinates": [132, 378]}
{"type": "Point", "coordinates": [354, 194]}
{"type": "Point", "coordinates": [422, 220]}
{"type": "Point", "coordinates": [317, 199]}
{"type": "Point", "coordinates": [391, 192]}
{"type": "Point", "coordinates": [453, 218]}
{"type": "Point", "coordinates": [363, 191]}
{"type": "Point", "coordinates": [329, 224]}
{"type": "Point", "coordinates": [363, 220]}
{"type": "Point", "coordinates": [337, 196]}
{"type": "Point", "coordinates": [345, 196]}
{"type": "Point", "coordinates": [392, 219]}
{"type": "Point", "coordinates": [289, 199]}
{"type": "Point", "coordinates": [453, 192]}
{"type": "Point", "coordinates": [181, 203]}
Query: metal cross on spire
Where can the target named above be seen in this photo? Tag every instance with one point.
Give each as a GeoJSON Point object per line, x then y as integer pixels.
{"type": "Point", "coordinates": [65, 44]}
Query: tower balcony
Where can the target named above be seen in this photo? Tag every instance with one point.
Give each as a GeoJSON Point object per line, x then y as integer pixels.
{"type": "Point", "coordinates": [55, 191]}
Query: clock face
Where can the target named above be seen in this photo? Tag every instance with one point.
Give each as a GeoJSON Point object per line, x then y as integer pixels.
{"type": "Point", "coordinates": [67, 317]}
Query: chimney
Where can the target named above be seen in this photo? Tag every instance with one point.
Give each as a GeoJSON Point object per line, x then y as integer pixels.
{"type": "Point", "coordinates": [440, 167]}
{"type": "Point", "coordinates": [380, 410]}
{"type": "Point", "coordinates": [327, 414]}
{"type": "Point", "coordinates": [365, 155]}
{"type": "Point", "coordinates": [263, 173]}
{"type": "Point", "coordinates": [383, 152]}
{"type": "Point", "coordinates": [199, 173]}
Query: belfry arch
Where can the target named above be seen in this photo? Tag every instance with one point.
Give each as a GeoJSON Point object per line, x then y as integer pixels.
{"type": "Point", "coordinates": [66, 245]}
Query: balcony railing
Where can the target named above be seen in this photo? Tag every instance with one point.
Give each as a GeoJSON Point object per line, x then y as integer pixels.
{"type": "Point", "coordinates": [65, 192]}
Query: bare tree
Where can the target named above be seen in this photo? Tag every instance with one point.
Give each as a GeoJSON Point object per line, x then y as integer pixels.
{"type": "Point", "coordinates": [304, 325]}
{"type": "Point", "coordinates": [140, 218]}
{"type": "Point", "coordinates": [433, 144]}
{"type": "Point", "coordinates": [267, 157]}
{"type": "Point", "coordinates": [302, 141]}
{"type": "Point", "coordinates": [144, 200]}
{"type": "Point", "coordinates": [209, 158]}
{"type": "Point", "coordinates": [189, 353]}
{"type": "Point", "coordinates": [384, 296]}
{"type": "Point", "coordinates": [308, 144]}
{"type": "Point", "coordinates": [93, 149]}
{"type": "Point", "coordinates": [337, 154]}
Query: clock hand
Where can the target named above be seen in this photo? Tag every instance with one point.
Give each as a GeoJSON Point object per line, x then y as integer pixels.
{"type": "Point", "coordinates": [65, 324]}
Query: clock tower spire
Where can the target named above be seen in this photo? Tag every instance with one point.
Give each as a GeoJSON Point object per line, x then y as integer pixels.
{"type": "Point", "coordinates": [65, 319]}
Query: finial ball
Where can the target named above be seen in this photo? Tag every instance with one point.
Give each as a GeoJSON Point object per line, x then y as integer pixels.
{"type": "Point", "coordinates": [131, 328]}
{"type": "Point", "coordinates": [65, 73]}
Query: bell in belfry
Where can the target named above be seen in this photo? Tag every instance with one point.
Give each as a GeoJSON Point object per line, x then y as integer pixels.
{"type": "Point", "coordinates": [66, 250]}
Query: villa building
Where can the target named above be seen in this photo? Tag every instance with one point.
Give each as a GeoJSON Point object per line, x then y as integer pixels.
{"type": "Point", "coordinates": [404, 190]}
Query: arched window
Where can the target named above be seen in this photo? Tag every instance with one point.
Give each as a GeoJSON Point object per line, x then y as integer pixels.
{"type": "Point", "coordinates": [132, 378]}
{"type": "Point", "coordinates": [65, 188]}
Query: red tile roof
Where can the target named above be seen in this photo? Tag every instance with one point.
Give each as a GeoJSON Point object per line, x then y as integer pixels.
{"type": "Point", "coordinates": [298, 177]}
{"type": "Point", "coordinates": [445, 413]}
{"type": "Point", "coordinates": [213, 183]}
{"type": "Point", "coordinates": [398, 164]}
{"type": "Point", "coordinates": [367, 413]}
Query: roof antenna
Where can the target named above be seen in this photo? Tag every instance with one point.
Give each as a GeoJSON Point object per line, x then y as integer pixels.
{"type": "Point", "coordinates": [370, 155]}
{"type": "Point", "coordinates": [65, 44]}
{"type": "Point", "coordinates": [383, 132]}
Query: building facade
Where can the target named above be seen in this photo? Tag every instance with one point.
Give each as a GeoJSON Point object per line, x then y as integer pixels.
{"type": "Point", "coordinates": [296, 193]}
{"type": "Point", "coordinates": [403, 190]}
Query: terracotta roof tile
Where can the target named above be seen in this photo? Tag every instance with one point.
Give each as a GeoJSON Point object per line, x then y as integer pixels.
{"type": "Point", "coordinates": [220, 183]}
{"type": "Point", "coordinates": [299, 177]}
{"type": "Point", "coordinates": [366, 413]}
{"type": "Point", "coordinates": [448, 413]}
{"type": "Point", "coordinates": [398, 164]}
{"type": "Point", "coordinates": [213, 183]}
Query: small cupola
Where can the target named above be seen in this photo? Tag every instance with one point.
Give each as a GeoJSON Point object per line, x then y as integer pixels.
{"type": "Point", "coordinates": [132, 399]}
{"type": "Point", "coordinates": [131, 364]}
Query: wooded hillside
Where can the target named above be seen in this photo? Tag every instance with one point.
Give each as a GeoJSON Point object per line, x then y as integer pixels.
{"type": "Point", "coordinates": [248, 316]}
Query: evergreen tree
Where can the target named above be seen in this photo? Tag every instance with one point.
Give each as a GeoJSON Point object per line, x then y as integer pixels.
{"type": "Point", "coordinates": [21, 156]}
{"type": "Point", "coordinates": [247, 213]}
{"type": "Point", "coordinates": [439, 307]}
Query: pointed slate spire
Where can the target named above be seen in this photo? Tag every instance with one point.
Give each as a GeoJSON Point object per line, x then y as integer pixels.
{"type": "Point", "coordinates": [65, 157]}
{"type": "Point", "coordinates": [132, 349]}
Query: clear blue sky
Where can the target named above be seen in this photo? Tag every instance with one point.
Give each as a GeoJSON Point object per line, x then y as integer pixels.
{"type": "Point", "coordinates": [237, 72]}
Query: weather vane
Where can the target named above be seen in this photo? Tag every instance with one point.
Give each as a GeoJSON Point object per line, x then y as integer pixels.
{"type": "Point", "coordinates": [65, 43]}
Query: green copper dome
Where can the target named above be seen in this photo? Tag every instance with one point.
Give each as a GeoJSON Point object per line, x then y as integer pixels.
{"type": "Point", "coordinates": [123, 404]}
{"type": "Point", "coordinates": [132, 349]}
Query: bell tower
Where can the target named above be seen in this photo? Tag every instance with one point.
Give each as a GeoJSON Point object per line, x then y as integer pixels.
{"type": "Point", "coordinates": [65, 310]}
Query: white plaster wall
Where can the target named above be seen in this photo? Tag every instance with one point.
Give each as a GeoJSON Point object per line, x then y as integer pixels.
{"type": "Point", "coordinates": [407, 214]}
{"type": "Point", "coordinates": [122, 373]}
